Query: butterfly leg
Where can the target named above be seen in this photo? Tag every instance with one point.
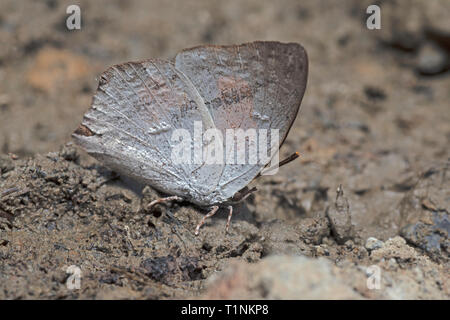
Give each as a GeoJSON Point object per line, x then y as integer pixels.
{"type": "Point", "coordinates": [202, 222]}
{"type": "Point", "coordinates": [162, 200]}
{"type": "Point", "coordinates": [230, 208]}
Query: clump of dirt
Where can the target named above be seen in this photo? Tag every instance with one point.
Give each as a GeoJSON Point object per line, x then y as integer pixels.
{"type": "Point", "coordinates": [57, 212]}
{"type": "Point", "coordinates": [295, 277]}
{"type": "Point", "coordinates": [369, 195]}
{"type": "Point", "coordinates": [426, 207]}
{"type": "Point", "coordinates": [86, 216]}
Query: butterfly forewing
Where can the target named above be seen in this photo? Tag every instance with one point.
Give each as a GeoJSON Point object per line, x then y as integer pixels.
{"type": "Point", "coordinates": [129, 127]}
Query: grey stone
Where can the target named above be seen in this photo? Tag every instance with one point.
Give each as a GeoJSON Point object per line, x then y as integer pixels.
{"type": "Point", "coordinates": [373, 244]}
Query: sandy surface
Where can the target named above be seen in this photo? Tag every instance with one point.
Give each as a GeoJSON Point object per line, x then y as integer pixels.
{"type": "Point", "coordinates": [375, 119]}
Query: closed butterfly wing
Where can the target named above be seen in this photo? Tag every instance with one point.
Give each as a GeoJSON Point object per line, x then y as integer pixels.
{"type": "Point", "coordinates": [130, 124]}
{"type": "Point", "coordinates": [257, 85]}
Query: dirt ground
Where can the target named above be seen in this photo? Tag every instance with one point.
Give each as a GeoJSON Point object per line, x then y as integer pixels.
{"type": "Point", "coordinates": [374, 120]}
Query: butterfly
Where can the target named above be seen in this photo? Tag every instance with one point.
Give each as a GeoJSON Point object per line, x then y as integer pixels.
{"type": "Point", "coordinates": [143, 111]}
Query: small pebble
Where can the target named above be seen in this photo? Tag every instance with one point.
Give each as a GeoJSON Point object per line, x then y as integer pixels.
{"type": "Point", "coordinates": [392, 263]}
{"type": "Point", "coordinates": [373, 244]}
{"type": "Point", "coordinates": [432, 60]}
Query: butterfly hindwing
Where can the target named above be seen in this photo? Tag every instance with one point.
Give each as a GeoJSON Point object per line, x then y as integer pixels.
{"type": "Point", "coordinates": [256, 85]}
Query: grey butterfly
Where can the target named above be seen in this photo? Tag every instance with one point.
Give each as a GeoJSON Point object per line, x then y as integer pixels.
{"type": "Point", "coordinates": [138, 105]}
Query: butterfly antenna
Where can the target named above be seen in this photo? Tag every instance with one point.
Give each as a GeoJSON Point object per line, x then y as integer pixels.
{"type": "Point", "coordinates": [292, 157]}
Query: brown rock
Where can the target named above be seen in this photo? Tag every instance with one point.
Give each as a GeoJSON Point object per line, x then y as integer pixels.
{"type": "Point", "coordinates": [281, 277]}
{"type": "Point", "coordinates": [340, 218]}
{"type": "Point", "coordinates": [53, 68]}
